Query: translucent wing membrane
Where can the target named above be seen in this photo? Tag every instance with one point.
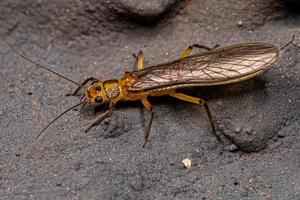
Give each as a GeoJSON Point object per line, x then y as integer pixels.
{"type": "Point", "coordinates": [214, 67]}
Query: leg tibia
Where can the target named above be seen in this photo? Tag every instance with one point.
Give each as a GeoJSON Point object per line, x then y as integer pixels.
{"type": "Point", "coordinates": [200, 102]}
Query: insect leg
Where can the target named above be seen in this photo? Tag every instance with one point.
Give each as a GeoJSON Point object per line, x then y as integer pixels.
{"type": "Point", "coordinates": [83, 83]}
{"type": "Point", "coordinates": [188, 50]}
{"type": "Point", "coordinates": [140, 60]}
{"type": "Point", "coordinates": [149, 107]}
{"type": "Point", "coordinates": [200, 102]}
{"type": "Point", "coordinates": [99, 119]}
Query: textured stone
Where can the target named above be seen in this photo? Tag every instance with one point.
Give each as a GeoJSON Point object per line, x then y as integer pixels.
{"type": "Point", "coordinates": [145, 11]}
{"type": "Point", "coordinates": [85, 38]}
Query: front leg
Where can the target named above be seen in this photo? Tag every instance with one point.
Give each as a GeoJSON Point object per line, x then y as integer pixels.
{"type": "Point", "coordinates": [83, 83]}
{"type": "Point", "coordinates": [99, 119]}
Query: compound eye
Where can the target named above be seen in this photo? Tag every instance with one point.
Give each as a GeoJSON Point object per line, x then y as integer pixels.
{"type": "Point", "coordinates": [98, 99]}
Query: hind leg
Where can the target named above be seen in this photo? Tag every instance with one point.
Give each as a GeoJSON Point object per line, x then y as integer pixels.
{"type": "Point", "coordinates": [149, 107]}
{"type": "Point", "coordinates": [189, 50]}
{"type": "Point", "coordinates": [199, 102]}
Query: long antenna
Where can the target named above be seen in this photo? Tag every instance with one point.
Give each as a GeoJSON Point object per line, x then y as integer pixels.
{"type": "Point", "coordinates": [56, 118]}
{"type": "Point", "coordinates": [290, 42]}
{"type": "Point", "coordinates": [39, 65]}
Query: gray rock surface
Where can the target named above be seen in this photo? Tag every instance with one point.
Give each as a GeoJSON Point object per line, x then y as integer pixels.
{"type": "Point", "coordinates": [152, 8]}
{"type": "Point", "coordinates": [258, 120]}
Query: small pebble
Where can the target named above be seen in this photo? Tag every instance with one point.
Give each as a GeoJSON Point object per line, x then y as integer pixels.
{"type": "Point", "coordinates": [240, 23]}
{"type": "Point", "coordinates": [197, 150]}
{"type": "Point", "coordinates": [172, 163]}
{"type": "Point", "coordinates": [220, 103]}
{"type": "Point", "coordinates": [237, 130]}
{"type": "Point", "coordinates": [187, 163]}
{"type": "Point", "coordinates": [236, 182]}
{"type": "Point", "coordinates": [281, 134]}
{"type": "Point", "coordinates": [231, 147]}
{"type": "Point", "coordinates": [107, 121]}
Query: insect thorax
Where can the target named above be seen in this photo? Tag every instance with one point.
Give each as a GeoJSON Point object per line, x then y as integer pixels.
{"type": "Point", "coordinates": [111, 88]}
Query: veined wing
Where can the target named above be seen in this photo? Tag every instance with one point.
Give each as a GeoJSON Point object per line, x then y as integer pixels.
{"type": "Point", "coordinates": [214, 67]}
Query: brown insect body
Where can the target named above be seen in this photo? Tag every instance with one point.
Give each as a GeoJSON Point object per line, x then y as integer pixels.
{"type": "Point", "coordinates": [213, 67]}
{"type": "Point", "coordinates": [216, 66]}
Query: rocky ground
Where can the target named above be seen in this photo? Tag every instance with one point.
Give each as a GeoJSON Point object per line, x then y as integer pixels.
{"type": "Point", "coordinates": [258, 120]}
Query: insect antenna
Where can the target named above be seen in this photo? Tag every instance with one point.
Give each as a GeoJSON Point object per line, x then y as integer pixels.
{"type": "Point", "coordinates": [56, 118]}
{"type": "Point", "coordinates": [82, 107]}
{"type": "Point", "coordinates": [290, 42]}
{"type": "Point", "coordinates": [41, 66]}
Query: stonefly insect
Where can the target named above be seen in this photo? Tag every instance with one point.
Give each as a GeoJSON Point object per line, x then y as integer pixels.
{"type": "Point", "coordinates": [215, 66]}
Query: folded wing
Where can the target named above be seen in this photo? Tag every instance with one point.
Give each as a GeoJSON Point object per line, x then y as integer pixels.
{"type": "Point", "coordinates": [214, 67]}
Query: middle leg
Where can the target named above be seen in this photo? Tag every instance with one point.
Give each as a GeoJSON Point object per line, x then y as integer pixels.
{"type": "Point", "coordinates": [140, 60]}
{"type": "Point", "coordinates": [149, 107]}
